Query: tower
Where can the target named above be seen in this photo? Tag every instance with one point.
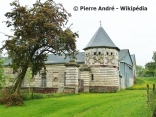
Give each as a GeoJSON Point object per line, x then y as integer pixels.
{"type": "Point", "coordinates": [101, 55]}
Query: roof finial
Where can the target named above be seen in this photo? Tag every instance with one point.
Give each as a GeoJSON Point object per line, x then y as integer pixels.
{"type": "Point", "coordinates": [100, 23]}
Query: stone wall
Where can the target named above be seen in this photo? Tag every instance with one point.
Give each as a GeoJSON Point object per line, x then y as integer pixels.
{"type": "Point", "coordinates": [54, 76]}
{"type": "Point", "coordinates": [97, 77]}
{"type": "Point", "coordinates": [103, 89]}
{"type": "Point", "coordinates": [72, 75]}
{"type": "Point", "coordinates": [85, 76]}
{"type": "Point", "coordinates": [104, 77]}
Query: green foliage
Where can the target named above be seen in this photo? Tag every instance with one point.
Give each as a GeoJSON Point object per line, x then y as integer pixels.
{"type": "Point", "coordinates": [28, 96]}
{"type": "Point", "coordinates": [152, 101]}
{"type": "Point", "coordinates": [2, 76]}
{"type": "Point", "coordinates": [38, 30]}
{"type": "Point", "coordinates": [140, 71]}
{"type": "Point", "coordinates": [150, 68]}
{"type": "Point", "coordinates": [148, 71]}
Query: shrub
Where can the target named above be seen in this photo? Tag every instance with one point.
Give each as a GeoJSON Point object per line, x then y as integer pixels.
{"type": "Point", "coordinates": [28, 96]}
{"type": "Point", "coordinates": [10, 99]}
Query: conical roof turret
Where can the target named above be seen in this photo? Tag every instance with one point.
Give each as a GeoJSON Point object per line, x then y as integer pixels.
{"type": "Point", "coordinates": [101, 39]}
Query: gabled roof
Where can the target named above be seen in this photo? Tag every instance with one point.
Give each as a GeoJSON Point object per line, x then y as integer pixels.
{"type": "Point", "coordinates": [101, 39]}
{"type": "Point", "coordinates": [122, 53]}
{"type": "Point", "coordinates": [133, 57]}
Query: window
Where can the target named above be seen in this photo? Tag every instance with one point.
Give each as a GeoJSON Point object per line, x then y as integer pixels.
{"type": "Point", "coordinates": [92, 76]}
{"type": "Point", "coordinates": [99, 53]}
{"type": "Point", "coordinates": [94, 53]}
{"type": "Point", "coordinates": [107, 53]}
{"type": "Point", "coordinates": [64, 78]}
{"type": "Point", "coordinates": [111, 53]}
{"type": "Point", "coordinates": [43, 80]}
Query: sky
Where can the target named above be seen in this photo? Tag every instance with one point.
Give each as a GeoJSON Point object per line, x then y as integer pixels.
{"type": "Point", "coordinates": [133, 30]}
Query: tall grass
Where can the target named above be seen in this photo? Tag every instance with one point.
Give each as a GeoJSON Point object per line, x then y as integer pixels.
{"type": "Point", "coordinates": [141, 83]}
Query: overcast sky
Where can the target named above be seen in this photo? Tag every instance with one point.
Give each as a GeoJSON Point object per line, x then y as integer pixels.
{"type": "Point", "coordinates": [135, 31]}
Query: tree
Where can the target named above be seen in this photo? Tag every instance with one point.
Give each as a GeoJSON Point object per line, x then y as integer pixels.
{"type": "Point", "coordinates": [2, 76]}
{"type": "Point", "coordinates": [28, 77]}
{"type": "Point", "coordinates": [154, 56]}
{"type": "Point", "coordinates": [38, 30]}
{"type": "Point", "coordinates": [140, 71]}
{"type": "Point", "coordinates": [150, 69]}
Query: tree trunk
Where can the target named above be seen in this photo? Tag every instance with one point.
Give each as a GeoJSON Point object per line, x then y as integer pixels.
{"type": "Point", "coordinates": [29, 86]}
{"type": "Point", "coordinates": [19, 80]}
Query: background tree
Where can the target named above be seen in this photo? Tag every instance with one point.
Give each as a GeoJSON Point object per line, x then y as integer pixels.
{"type": "Point", "coordinates": [150, 69]}
{"type": "Point", "coordinates": [38, 30]}
{"type": "Point", "coordinates": [154, 56]}
{"type": "Point", "coordinates": [140, 71]}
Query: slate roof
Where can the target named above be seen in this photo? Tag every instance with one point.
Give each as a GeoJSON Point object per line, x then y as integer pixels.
{"type": "Point", "coordinates": [101, 39]}
{"type": "Point", "coordinates": [122, 53]}
{"type": "Point", "coordinates": [55, 59]}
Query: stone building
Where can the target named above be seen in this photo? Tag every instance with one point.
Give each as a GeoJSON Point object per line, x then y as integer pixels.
{"type": "Point", "coordinates": [103, 67]}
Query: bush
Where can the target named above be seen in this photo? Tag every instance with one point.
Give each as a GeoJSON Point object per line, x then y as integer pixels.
{"type": "Point", "coordinates": [56, 95]}
{"type": "Point", "coordinates": [10, 99]}
{"type": "Point", "coordinates": [28, 96]}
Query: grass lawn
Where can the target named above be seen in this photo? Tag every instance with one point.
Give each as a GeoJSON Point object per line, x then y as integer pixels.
{"type": "Point", "coordinates": [126, 103]}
